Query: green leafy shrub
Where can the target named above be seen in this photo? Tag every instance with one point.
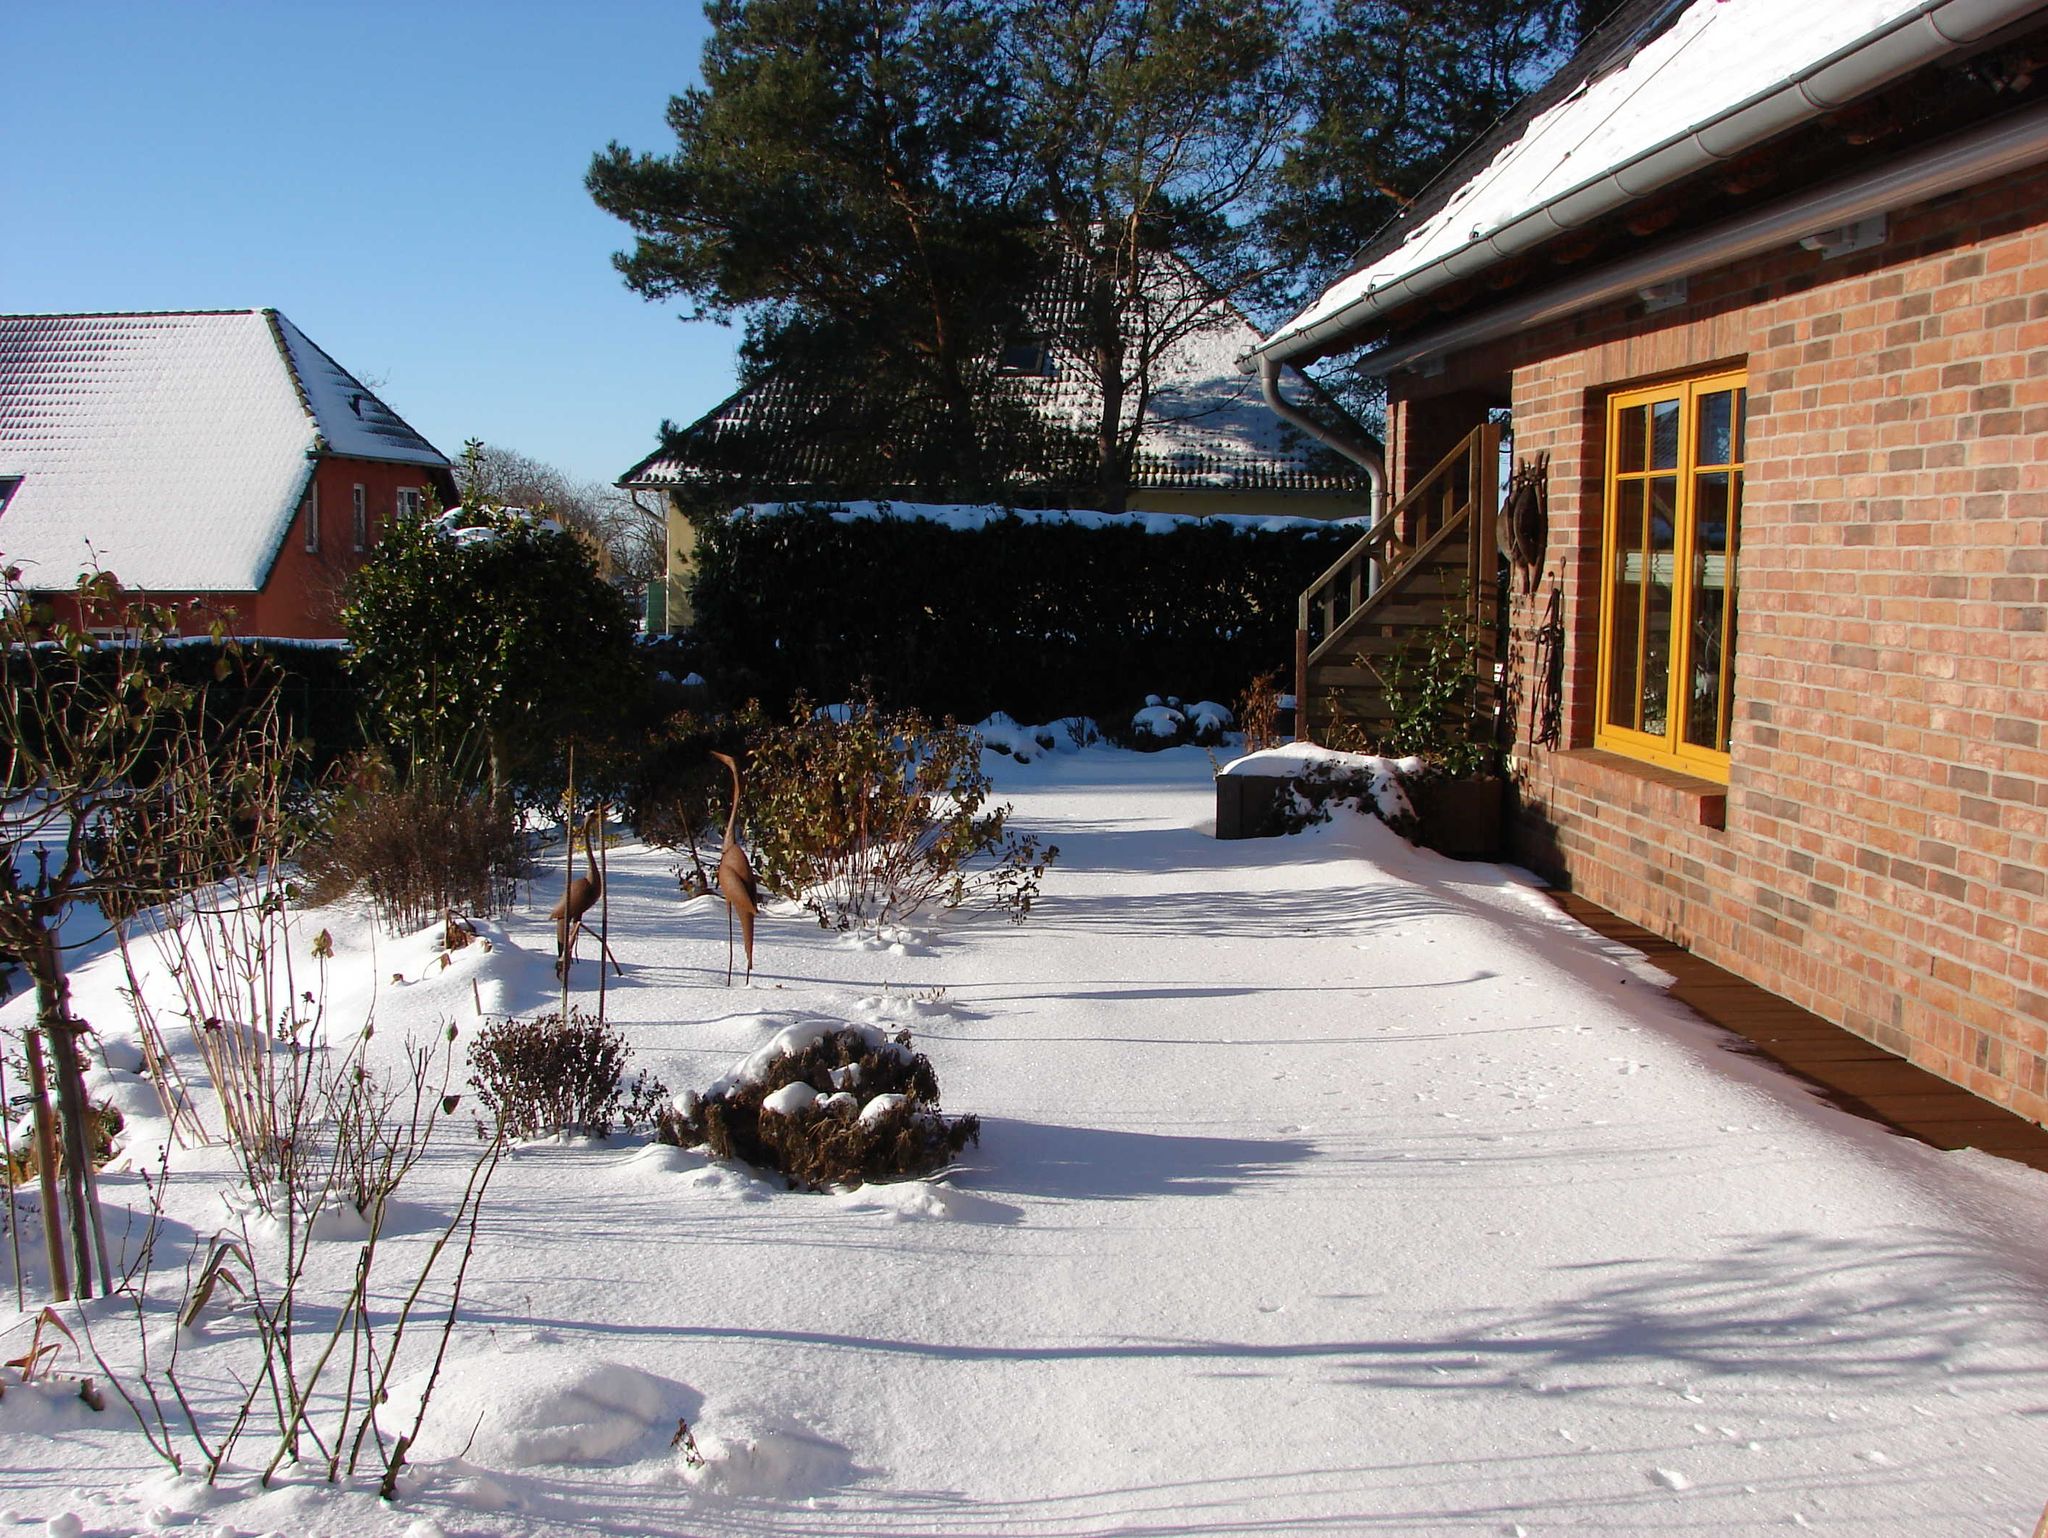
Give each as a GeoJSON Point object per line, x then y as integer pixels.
{"type": "Point", "coordinates": [868, 816]}
{"type": "Point", "coordinates": [486, 637]}
{"type": "Point", "coordinates": [540, 1076]}
{"type": "Point", "coordinates": [827, 1109]}
{"type": "Point", "coordinates": [416, 849]}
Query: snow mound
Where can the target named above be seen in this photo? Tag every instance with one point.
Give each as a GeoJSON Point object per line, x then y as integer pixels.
{"type": "Point", "coordinates": [759, 1454]}
{"type": "Point", "coordinates": [544, 1404]}
{"type": "Point", "coordinates": [911, 1201]}
{"type": "Point", "coordinates": [1001, 733]}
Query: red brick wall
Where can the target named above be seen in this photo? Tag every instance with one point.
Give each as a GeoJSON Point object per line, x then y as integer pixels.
{"type": "Point", "coordinates": [303, 594]}
{"type": "Point", "coordinates": [1885, 847]}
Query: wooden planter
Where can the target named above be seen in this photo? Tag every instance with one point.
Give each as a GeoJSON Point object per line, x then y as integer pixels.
{"type": "Point", "coordinates": [1465, 819]}
{"type": "Point", "coordinates": [1248, 805]}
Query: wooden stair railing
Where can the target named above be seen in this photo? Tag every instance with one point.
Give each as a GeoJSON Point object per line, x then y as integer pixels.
{"type": "Point", "coordinates": [1430, 557]}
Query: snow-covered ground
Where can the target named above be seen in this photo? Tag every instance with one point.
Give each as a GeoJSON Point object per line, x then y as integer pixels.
{"type": "Point", "coordinates": [1325, 1187]}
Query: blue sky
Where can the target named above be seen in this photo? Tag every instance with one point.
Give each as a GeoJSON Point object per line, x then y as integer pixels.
{"type": "Point", "coordinates": [404, 181]}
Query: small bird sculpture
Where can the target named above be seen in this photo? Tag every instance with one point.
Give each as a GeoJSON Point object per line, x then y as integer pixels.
{"type": "Point", "coordinates": [736, 883]}
{"type": "Point", "coordinates": [582, 896]}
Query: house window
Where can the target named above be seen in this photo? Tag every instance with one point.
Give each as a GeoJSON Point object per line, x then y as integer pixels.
{"type": "Point", "coordinates": [362, 519]}
{"type": "Point", "coordinates": [313, 517]}
{"type": "Point", "coordinates": [411, 501]}
{"type": "Point", "coordinates": [1029, 357]}
{"type": "Point", "coordinates": [1667, 612]}
{"type": "Point", "coordinates": [9, 484]}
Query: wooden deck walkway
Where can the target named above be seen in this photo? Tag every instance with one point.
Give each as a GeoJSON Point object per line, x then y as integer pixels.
{"type": "Point", "coordinates": [1850, 1072]}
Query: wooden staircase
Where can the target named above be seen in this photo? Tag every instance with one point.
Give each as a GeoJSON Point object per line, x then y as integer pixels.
{"type": "Point", "coordinates": [1431, 558]}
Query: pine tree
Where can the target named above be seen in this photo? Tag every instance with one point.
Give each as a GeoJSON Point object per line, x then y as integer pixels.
{"type": "Point", "coordinates": [840, 181]}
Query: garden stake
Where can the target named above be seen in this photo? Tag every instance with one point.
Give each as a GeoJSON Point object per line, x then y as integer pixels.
{"type": "Point", "coordinates": [13, 1214]}
{"type": "Point", "coordinates": [46, 1167]}
{"type": "Point", "coordinates": [604, 908]}
{"type": "Point", "coordinates": [568, 865]}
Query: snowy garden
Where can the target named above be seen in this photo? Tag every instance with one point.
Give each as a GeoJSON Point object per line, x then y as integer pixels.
{"type": "Point", "coordinates": [1321, 1185]}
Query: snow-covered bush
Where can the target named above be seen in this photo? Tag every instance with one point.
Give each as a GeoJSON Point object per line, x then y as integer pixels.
{"type": "Point", "coordinates": [1002, 733]}
{"type": "Point", "coordinates": [827, 1107]}
{"type": "Point", "coordinates": [868, 816]}
{"type": "Point", "coordinates": [415, 849]}
{"type": "Point", "coordinates": [540, 1076]}
{"type": "Point", "coordinates": [1163, 721]}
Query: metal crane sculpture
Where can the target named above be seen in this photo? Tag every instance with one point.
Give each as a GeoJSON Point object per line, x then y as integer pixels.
{"type": "Point", "coordinates": [583, 895]}
{"type": "Point", "coordinates": [736, 883]}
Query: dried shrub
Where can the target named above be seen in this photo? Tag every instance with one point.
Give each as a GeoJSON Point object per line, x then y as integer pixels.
{"type": "Point", "coordinates": [416, 849]}
{"type": "Point", "coordinates": [869, 816]}
{"type": "Point", "coordinates": [540, 1076]}
{"type": "Point", "coordinates": [875, 1115]}
{"type": "Point", "coordinates": [1258, 712]}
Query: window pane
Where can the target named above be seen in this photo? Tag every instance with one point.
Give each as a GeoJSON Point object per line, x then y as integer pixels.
{"type": "Point", "coordinates": [1664, 435]}
{"type": "Point", "coordinates": [1741, 426]}
{"type": "Point", "coordinates": [1713, 508]}
{"type": "Point", "coordinates": [1716, 429]}
{"type": "Point", "coordinates": [1630, 438]}
{"type": "Point", "coordinates": [1657, 606]}
{"type": "Point", "coordinates": [1624, 600]}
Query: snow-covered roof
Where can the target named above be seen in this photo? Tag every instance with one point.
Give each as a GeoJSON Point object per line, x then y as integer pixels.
{"type": "Point", "coordinates": [1719, 78]}
{"type": "Point", "coordinates": [172, 449]}
{"type": "Point", "coordinates": [1207, 426]}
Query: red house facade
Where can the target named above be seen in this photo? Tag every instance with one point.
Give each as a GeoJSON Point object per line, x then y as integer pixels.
{"type": "Point", "coordinates": [217, 458]}
{"type": "Point", "coordinates": [1761, 293]}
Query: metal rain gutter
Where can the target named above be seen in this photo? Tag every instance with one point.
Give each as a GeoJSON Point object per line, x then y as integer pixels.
{"type": "Point", "coordinates": [2011, 145]}
{"type": "Point", "coordinates": [1937, 29]}
{"type": "Point", "coordinates": [1364, 455]}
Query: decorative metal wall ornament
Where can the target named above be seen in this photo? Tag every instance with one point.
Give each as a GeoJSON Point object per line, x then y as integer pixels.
{"type": "Point", "coordinates": [1546, 720]}
{"type": "Point", "coordinates": [1523, 526]}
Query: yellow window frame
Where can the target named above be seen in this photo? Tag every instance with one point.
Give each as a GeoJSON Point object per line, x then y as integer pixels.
{"type": "Point", "coordinates": [1670, 749]}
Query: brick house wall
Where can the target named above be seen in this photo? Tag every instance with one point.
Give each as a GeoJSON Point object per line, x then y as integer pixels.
{"type": "Point", "coordinates": [1878, 854]}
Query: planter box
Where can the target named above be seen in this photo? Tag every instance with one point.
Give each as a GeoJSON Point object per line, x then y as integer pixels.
{"type": "Point", "coordinates": [1465, 819]}
{"type": "Point", "coordinates": [1248, 805]}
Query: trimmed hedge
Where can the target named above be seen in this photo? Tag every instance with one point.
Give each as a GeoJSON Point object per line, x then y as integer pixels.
{"type": "Point", "coordinates": [316, 698]}
{"type": "Point", "coordinates": [1038, 619]}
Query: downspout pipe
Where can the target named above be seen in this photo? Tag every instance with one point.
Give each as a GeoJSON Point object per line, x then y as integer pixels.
{"type": "Point", "coordinates": [1930, 32]}
{"type": "Point", "coordinates": [1364, 455]}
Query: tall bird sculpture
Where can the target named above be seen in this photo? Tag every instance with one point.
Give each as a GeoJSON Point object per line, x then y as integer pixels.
{"type": "Point", "coordinates": [736, 883]}
{"type": "Point", "coordinates": [583, 895]}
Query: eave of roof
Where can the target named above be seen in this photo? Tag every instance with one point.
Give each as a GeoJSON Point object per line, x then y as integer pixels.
{"type": "Point", "coordinates": [1599, 148]}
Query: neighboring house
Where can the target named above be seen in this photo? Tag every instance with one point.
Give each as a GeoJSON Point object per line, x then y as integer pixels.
{"type": "Point", "coordinates": [1207, 445]}
{"type": "Point", "coordinates": [1768, 284]}
{"type": "Point", "coordinates": [209, 456]}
